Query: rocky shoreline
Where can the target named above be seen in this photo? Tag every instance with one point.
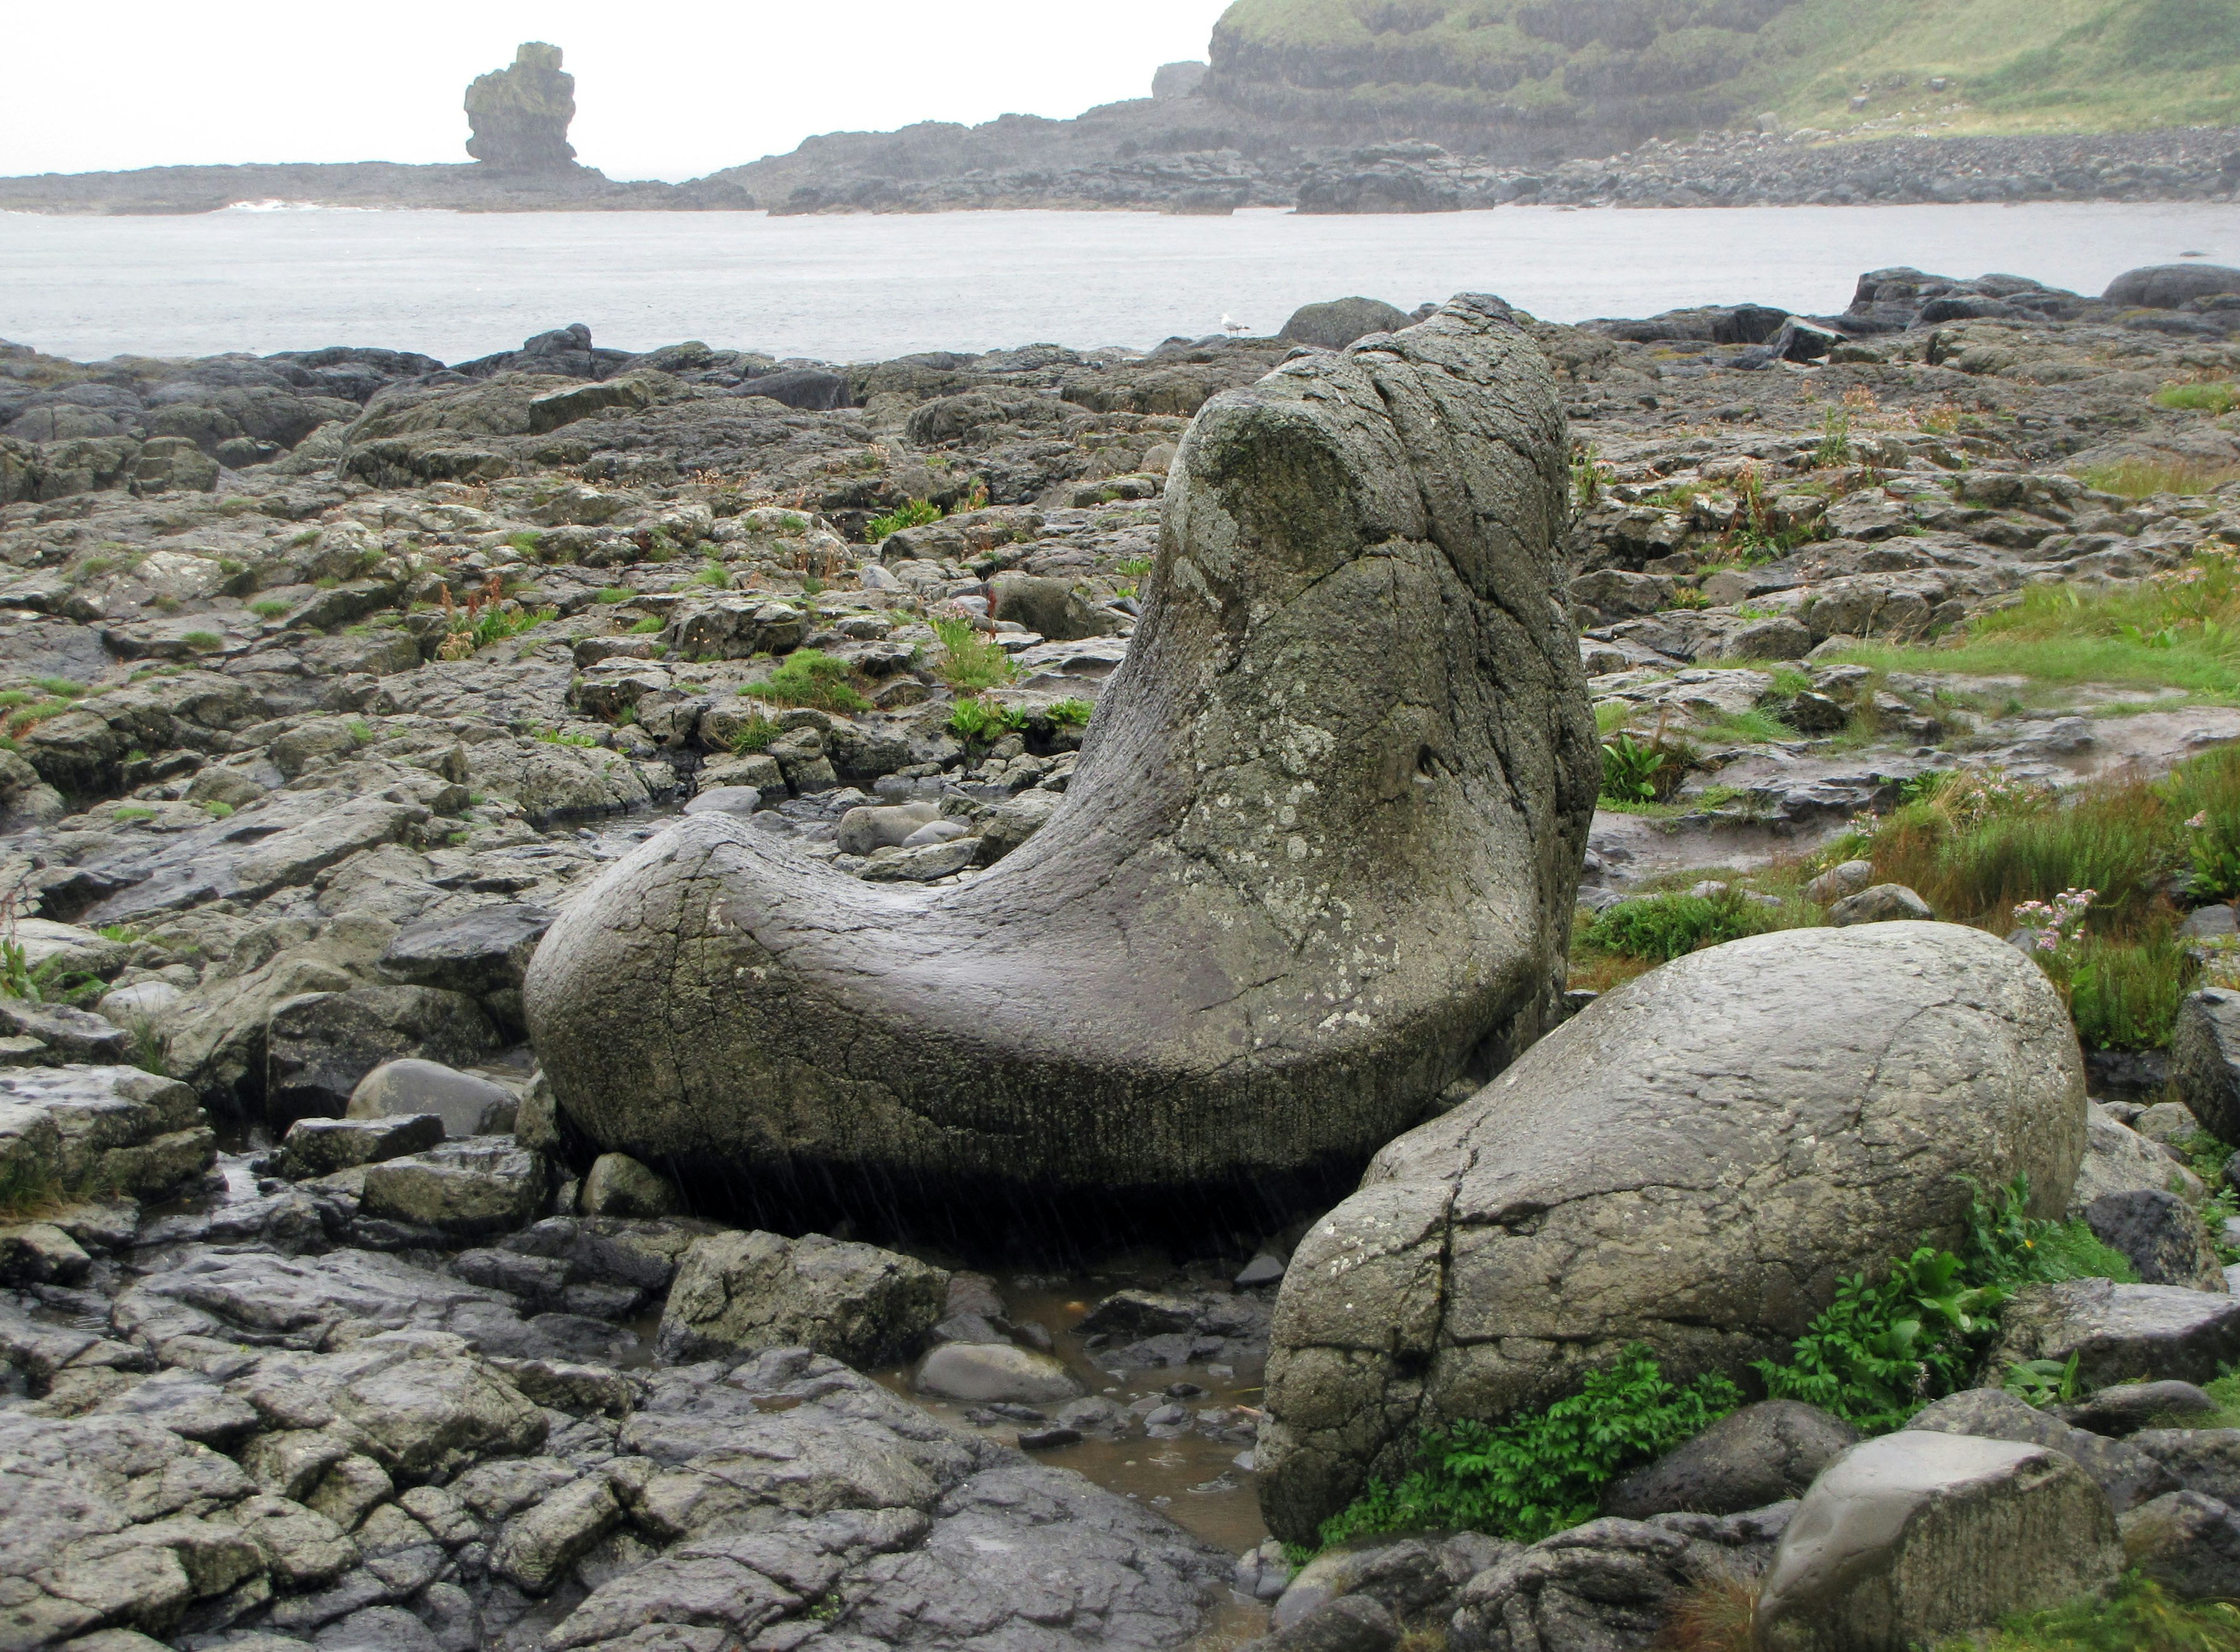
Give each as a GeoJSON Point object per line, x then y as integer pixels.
{"type": "Point", "coordinates": [337, 1308]}
{"type": "Point", "coordinates": [911, 172]}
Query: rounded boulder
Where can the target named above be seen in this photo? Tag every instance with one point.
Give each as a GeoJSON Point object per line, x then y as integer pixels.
{"type": "Point", "coordinates": [1692, 1162]}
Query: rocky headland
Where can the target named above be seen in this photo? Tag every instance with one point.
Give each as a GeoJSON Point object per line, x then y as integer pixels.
{"type": "Point", "coordinates": [1424, 107]}
{"type": "Point", "coordinates": [687, 1001]}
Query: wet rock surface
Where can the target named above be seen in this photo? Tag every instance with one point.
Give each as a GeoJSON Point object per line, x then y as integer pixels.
{"type": "Point", "coordinates": [333, 678]}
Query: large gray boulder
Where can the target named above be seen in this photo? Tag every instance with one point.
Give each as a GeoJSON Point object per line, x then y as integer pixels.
{"type": "Point", "coordinates": [1912, 1537]}
{"type": "Point", "coordinates": [2205, 1059]}
{"type": "Point", "coordinates": [2168, 286]}
{"type": "Point", "coordinates": [1692, 1164]}
{"type": "Point", "coordinates": [1340, 322]}
{"type": "Point", "coordinates": [1317, 859]}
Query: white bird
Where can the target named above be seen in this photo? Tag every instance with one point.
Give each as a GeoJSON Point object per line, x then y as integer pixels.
{"type": "Point", "coordinates": [1229, 324]}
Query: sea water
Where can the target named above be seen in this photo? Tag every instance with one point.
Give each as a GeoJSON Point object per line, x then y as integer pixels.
{"type": "Point", "coordinates": [860, 288]}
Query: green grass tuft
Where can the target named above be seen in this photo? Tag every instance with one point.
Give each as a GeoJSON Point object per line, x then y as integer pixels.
{"type": "Point", "coordinates": [811, 677]}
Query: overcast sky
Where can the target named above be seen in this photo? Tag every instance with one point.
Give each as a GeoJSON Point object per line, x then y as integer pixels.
{"type": "Point", "coordinates": [666, 88]}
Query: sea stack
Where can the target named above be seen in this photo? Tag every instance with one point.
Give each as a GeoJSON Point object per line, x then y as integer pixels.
{"type": "Point", "coordinates": [520, 116]}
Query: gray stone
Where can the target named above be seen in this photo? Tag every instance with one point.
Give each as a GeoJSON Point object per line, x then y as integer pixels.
{"type": "Point", "coordinates": [1915, 1536]}
{"type": "Point", "coordinates": [1882, 904]}
{"type": "Point", "coordinates": [1693, 1162]}
{"type": "Point", "coordinates": [519, 117]}
{"type": "Point", "coordinates": [1342, 763]}
{"type": "Point", "coordinates": [2127, 1474]}
{"type": "Point", "coordinates": [2205, 1460]}
{"type": "Point", "coordinates": [737, 1292]}
{"type": "Point", "coordinates": [1050, 608]}
{"type": "Point", "coordinates": [618, 1185]}
{"type": "Point", "coordinates": [68, 1035]}
{"type": "Point", "coordinates": [478, 953]}
{"type": "Point", "coordinates": [1760, 1455]}
{"type": "Point", "coordinates": [886, 826]}
{"type": "Point", "coordinates": [2122, 1333]}
{"type": "Point", "coordinates": [317, 1147]}
{"type": "Point", "coordinates": [2163, 1236]}
{"type": "Point", "coordinates": [2188, 1543]}
{"type": "Point", "coordinates": [1838, 882]}
{"type": "Point", "coordinates": [1608, 1585]}
{"type": "Point", "coordinates": [740, 801]}
{"type": "Point", "coordinates": [38, 1253]}
{"type": "Point", "coordinates": [111, 1521]}
{"type": "Point", "coordinates": [2205, 1059]}
{"type": "Point", "coordinates": [466, 1104]}
{"type": "Point", "coordinates": [1338, 322]}
{"type": "Point", "coordinates": [75, 1127]}
{"type": "Point", "coordinates": [480, 1185]}
{"type": "Point", "coordinates": [990, 1372]}
{"type": "Point", "coordinates": [2117, 1159]}
{"type": "Point", "coordinates": [319, 1045]}
{"type": "Point", "coordinates": [1352, 1623]}
{"type": "Point", "coordinates": [536, 1546]}
{"type": "Point", "coordinates": [2129, 1406]}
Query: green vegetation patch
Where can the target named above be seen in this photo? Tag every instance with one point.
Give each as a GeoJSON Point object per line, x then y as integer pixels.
{"type": "Point", "coordinates": [811, 677]}
{"type": "Point", "coordinates": [1884, 1349]}
{"type": "Point", "coordinates": [2137, 1615]}
{"type": "Point", "coordinates": [2179, 630]}
{"type": "Point", "coordinates": [969, 663]}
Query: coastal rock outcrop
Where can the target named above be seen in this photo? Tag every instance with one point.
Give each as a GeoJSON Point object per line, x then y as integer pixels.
{"type": "Point", "coordinates": [520, 115]}
{"type": "Point", "coordinates": [1692, 1164]}
{"type": "Point", "coordinates": [1317, 861]}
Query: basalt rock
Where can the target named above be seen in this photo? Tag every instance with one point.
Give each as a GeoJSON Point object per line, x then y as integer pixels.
{"type": "Point", "coordinates": [1691, 1163]}
{"type": "Point", "coordinates": [1317, 861]}
{"type": "Point", "coordinates": [520, 115]}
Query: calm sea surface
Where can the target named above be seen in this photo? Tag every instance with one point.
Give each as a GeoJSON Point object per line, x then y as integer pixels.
{"type": "Point", "coordinates": [863, 288]}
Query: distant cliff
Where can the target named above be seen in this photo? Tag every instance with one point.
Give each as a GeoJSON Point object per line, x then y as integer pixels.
{"type": "Point", "coordinates": [1548, 79]}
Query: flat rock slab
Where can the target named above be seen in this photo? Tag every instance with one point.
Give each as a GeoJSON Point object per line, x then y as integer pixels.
{"type": "Point", "coordinates": [75, 1125]}
{"type": "Point", "coordinates": [2123, 1333]}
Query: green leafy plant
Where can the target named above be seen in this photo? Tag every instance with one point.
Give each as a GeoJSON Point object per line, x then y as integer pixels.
{"type": "Point", "coordinates": [218, 811]}
{"type": "Point", "coordinates": [714, 574]}
{"type": "Point", "coordinates": [1834, 447]}
{"type": "Point", "coordinates": [555, 737]}
{"type": "Point", "coordinates": [1073, 714]}
{"type": "Point", "coordinates": [647, 626]}
{"type": "Point", "coordinates": [1640, 771]}
{"type": "Point", "coordinates": [916, 514]}
{"type": "Point", "coordinates": [1533, 1475]}
{"type": "Point", "coordinates": [969, 663]}
{"type": "Point", "coordinates": [1663, 927]}
{"type": "Point", "coordinates": [2043, 1382]}
{"type": "Point", "coordinates": [1586, 475]}
{"type": "Point", "coordinates": [1134, 566]}
{"type": "Point", "coordinates": [755, 734]}
{"type": "Point", "coordinates": [980, 722]}
{"type": "Point", "coordinates": [615, 594]}
{"type": "Point", "coordinates": [811, 677]}
{"type": "Point", "coordinates": [125, 814]}
{"type": "Point", "coordinates": [203, 641]}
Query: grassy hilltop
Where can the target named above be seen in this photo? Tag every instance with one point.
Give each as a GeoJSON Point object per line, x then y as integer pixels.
{"type": "Point", "coordinates": [1632, 68]}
